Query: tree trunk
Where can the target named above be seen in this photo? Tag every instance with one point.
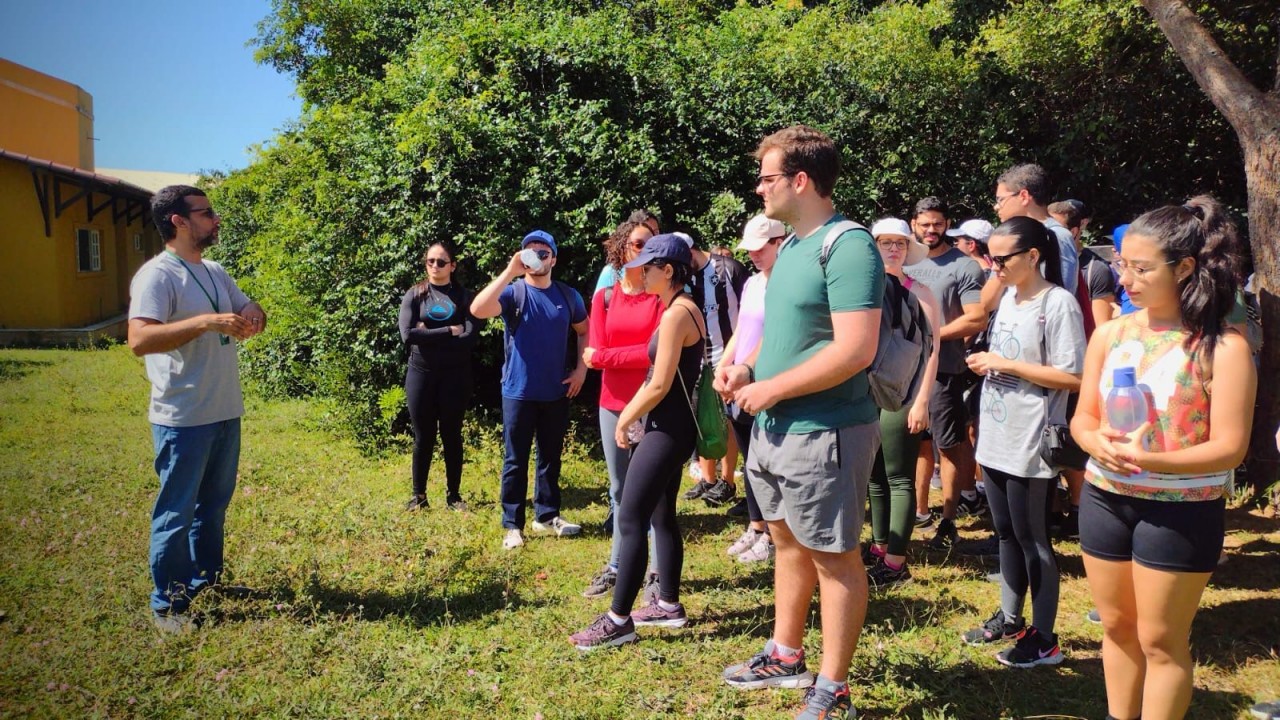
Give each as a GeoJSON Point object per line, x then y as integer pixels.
{"type": "Point", "coordinates": [1255, 116]}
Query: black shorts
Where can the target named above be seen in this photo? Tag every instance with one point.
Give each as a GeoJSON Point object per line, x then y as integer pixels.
{"type": "Point", "coordinates": [948, 415]}
{"type": "Point", "coordinates": [1163, 535]}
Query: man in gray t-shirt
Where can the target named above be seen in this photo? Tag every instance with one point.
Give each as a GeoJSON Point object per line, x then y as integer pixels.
{"type": "Point", "coordinates": [185, 316]}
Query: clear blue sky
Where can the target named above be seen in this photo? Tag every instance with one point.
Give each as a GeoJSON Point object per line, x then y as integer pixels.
{"type": "Point", "coordinates": [174, 86]}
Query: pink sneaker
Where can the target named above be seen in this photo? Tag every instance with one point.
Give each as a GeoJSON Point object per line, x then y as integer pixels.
{"type": "Point", "coordinates": [655, 615]}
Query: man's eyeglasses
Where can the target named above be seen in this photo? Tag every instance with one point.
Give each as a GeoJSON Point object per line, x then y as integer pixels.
{"type": "Point", "coordinates": [772, 178]}
{"type": "Point", "coordinates": [207, 212]}
{"type": "Point", "coordinates": [439, 262]}
{"type": "Point", "coordinates": [1001, 198]}
{"type": "Point", "coordinates": [1001, 260]}
{"type": "Point", "coordinates": [1122, 266]}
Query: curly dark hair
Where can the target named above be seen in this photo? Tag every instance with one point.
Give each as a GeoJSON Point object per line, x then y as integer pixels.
{"type": "Point", "coordinates": [615, 246]}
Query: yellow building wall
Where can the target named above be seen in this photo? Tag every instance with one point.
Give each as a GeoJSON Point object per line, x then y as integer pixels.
{"type": "Point", "coordinates": [45, 117]}
{"type": "Point", "coordinates": [42, 286]}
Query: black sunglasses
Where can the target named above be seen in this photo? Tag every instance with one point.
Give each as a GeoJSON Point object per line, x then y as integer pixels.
{"type": "Point", "coordinates": [438, 262]}
{"type": "Point", "coordinates": [1001, 260]}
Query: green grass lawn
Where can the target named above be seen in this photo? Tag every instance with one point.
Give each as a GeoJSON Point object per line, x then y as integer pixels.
{"type": "Point", "coordinates": [369, 611]}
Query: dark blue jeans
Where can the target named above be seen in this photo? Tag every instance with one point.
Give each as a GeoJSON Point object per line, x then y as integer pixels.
{"type": "Point", "coordinates": [523, 422]}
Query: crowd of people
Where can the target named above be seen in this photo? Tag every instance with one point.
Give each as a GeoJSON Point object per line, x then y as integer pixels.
{"type": "Point", "coordinates": [1031, 333]}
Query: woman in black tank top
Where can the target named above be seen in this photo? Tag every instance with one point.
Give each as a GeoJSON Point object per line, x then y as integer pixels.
{"type": "Point", "coordinates": [663, 407]}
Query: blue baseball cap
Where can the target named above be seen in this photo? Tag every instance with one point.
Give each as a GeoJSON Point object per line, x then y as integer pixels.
{"type": "Point", "coordinates": [670, 247]}
{"type": "Point", "coordinates": [540, 236]}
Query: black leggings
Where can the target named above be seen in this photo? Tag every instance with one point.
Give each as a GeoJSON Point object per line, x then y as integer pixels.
{"type": "Point", "coordinates": [438, 399]}
{"type": "Point", "coordinates": [1026, 555]}
{"type": "Point", "coordinates": [742, 431]}
{"type": "Point", "coordinates": [649, 499]}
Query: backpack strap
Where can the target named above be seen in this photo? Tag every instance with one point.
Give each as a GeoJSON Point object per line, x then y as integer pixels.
{"type": "Point", "coordinates": [834, 234]}
{"type": "Point", "coordinates": [519, 292]}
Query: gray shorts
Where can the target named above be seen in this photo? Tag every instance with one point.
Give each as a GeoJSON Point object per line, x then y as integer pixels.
{"type": "Point", "coordinates": [815, 482]}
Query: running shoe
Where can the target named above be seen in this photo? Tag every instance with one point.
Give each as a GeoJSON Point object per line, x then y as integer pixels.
{"type": "Point", "coordinates": [603, 633]}
{"type": "Point", "coordinates": [744, 542]}
{"type": "Point", "coordinates": [995, 629]}
{"type": "Point", "coordinates": [1032, 649]}
{"type": "Point", "coordinates": [720, 493]}
{"type": "Point", "coordinates": [822, 704]}
{"type": "Point", "coordinates": [935, 481]}
{"type": "Point", "coordinates": [1266, 710]}
{"type": "Point", "coordinates": [416, 502]}
{"type": "Point", "coordinates": [945, 536]}
{"type": "Point", "coordinates": [869, 556]}
{"type": "Point", "coordinates": [767, 670]}
{"type": "Point", "coordinates": [924, 521]}
{"type": "Point", "coordinates": [457, 503]}
{"type": "Point", "coordinates": [976, 506]}
{"type": "Point", "coordinates": [762, 551]}
{"type": "Point", "coordinates": [602, 583]}
{"type": "Point", "coordinates": [698, 490]}
{"type": "Point", "coordinates": [882, 577]}
{"type": "Point", "coordinates": [654, 615]}
{"type": "Point", "coordinates": [513, 539]}
{"type": "Point", "coordinates": [557, 525]}
{"type": "Point", "coordinates": [1094, 616]}
{"type": "Point", "coordinates": [738, 510]}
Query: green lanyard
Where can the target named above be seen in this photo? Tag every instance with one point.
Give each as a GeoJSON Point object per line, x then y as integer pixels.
{"type": "Point", "coordinates": [213, 299]}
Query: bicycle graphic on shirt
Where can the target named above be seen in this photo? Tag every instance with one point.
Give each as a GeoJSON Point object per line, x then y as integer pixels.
{"type": "Point", "coordinates": [1004, 344]}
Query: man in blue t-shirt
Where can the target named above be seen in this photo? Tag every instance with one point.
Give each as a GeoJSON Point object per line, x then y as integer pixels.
{"type": "Point", "coordinates": [538, 378]}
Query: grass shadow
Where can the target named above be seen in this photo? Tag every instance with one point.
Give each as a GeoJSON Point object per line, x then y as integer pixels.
{"type": "Point", "coordinates": [1216, 636]}
{"type": "Point", "coordinates": [1252, 566]}
{"type": "Point", "coordinates": [18, 369]}
{"type": "Point", "coordinates": [901, 612]}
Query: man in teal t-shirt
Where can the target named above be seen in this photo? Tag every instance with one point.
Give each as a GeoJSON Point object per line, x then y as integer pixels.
{"type": "Point", "coordinates": [817, 430]}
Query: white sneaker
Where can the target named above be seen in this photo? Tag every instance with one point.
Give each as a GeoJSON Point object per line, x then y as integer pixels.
{"type": "Point", "coordinates": [744, 542]}
{"type": "Point", "coordinates": [760, 552]}
{"type": "Point", "coordinates": [557, 525]}
{"type": "Point", "coordinates": [513, 540]}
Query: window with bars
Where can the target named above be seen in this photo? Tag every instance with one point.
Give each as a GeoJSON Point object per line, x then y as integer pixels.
{"type": "Point", "coordinates": [88, 250]}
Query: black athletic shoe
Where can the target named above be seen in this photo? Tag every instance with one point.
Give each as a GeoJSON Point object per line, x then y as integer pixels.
{"type": "Point", "coordinates": [987, 547]}
{"type": "Point", "coordinates": [882, 577]}
{"type": "Point", "coordinates": [945, 537]}
{"type": "Point", "coordinates": [995, 629]}
{"type": "Point", "coordinates": [925, 521]}
{"type": "Point", "coordinates": [739, 509]}
{"type": "Point", "coordinates": [1033, 648]}
{"type": "Point", "coordinates": [698, 489]}
{"type": "Point", "coordinates": [417, 502]}
{"type": "Point", "coordinates": [721, 493]}
{"type": "Point", "coordinates": [976, 506]}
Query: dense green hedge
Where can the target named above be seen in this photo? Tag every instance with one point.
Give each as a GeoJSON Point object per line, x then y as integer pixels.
{"type": "Point", "coordinates": [477, 121]}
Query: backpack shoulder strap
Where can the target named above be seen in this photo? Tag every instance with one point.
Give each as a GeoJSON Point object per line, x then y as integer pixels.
{"type": "Point", "coordinates": [834, 234]}
{"type": "Point", "coordinates": [520, 292]}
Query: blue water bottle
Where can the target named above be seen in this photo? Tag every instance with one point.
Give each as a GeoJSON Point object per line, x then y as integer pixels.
{"type": "Point", "coordinates": [1126, 404]}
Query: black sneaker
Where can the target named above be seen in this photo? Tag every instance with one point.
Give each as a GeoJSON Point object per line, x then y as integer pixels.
{"type": "Point", "coordinates": [1032, 649]}
{"type": "Point", "coordinates": [698, 489]}
{"type": "Point", "coordinates": [976, 506]}
{"type": "Point", "coordinates": [869, 558]}
{"type": "Point", "coordinates": [739, 509]}
{"type": "Point", "coordinates": [987, 547]}
{"type": "Point", "coordinates": [1070, 525]}
{"type": "Point", "coordinates": [882, 577]}
{"type": "Point", "coordinates": [822, 704]}
{"type": "Point", "coordinates": [945, 536]}
{"type": "Point", "coordinates": [767, 670]}
{"type": "Point", "coordinates": [995, 629]}
{"type": "Point", "coordinates": [924, 521]}
{"type": "Point", "coordinates": [602, 583]}
{"type": "Point", "coordinates": [456, 503]}
{"type": "Point", "coordinates": [417, 502]}
{"type": "Point", "coordinates": [721, 493]}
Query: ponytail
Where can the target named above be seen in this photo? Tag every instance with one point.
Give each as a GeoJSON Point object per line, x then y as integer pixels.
{"type": "Point", "coordinates": [1203, 231]}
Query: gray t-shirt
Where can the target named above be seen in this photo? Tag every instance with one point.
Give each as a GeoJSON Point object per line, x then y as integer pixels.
{"type": "Point", "coordinates": [1067, 248]}
{"type": "Point", "coordinates": [198, 383]}
{"type": "Point", "coordinates": [1013, 410]}
{"type": "Point", "coordinates": [956, 280]}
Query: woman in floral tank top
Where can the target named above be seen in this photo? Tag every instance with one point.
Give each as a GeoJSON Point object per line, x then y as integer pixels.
{"type": "Point", "coordinates": [1152, 512]}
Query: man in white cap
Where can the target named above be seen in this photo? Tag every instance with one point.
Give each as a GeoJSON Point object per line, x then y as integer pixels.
{"type": "Point", "coordinates": [971, 239]}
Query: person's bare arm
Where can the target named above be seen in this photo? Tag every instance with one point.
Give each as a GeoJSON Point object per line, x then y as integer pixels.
{"type": "Point", "coordinates": [487, 303]}
{"type": "Point", "coordinates": [147, 336]}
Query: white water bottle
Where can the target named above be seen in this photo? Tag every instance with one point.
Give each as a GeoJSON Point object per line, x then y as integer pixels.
{"type": "Point", "coordinates": [530, 258]}
{"type": "Point", "coordinates": [1126, 404]}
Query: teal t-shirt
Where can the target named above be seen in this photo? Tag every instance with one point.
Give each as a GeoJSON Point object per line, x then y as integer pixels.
{"type": "Point", "coordinates": [797, 324]}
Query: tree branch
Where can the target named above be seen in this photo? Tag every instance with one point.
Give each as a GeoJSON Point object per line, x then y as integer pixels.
{"type": "Point", "coordinates": [1227, 88]}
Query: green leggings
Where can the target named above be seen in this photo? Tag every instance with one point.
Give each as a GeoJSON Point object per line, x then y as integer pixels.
{"type": "Point", "coordinates": [893, 485]}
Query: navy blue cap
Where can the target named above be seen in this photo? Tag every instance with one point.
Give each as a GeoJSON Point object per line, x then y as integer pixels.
{"type": "Point", "coordinates": [540, 236]}
{"type": "Point", "coordinates": [669, 247]}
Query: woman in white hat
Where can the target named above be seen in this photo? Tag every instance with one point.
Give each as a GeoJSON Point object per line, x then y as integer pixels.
{"type": "Point", "coordinates": [892, 489]}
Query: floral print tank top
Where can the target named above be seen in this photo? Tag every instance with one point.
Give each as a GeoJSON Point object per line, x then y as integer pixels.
{"type": "Point", "coordinates": [1173, 381]}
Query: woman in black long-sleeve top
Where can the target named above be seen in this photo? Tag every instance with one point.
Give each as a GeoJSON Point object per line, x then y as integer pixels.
{"type": "Point", "coordinates": [437, 327]}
